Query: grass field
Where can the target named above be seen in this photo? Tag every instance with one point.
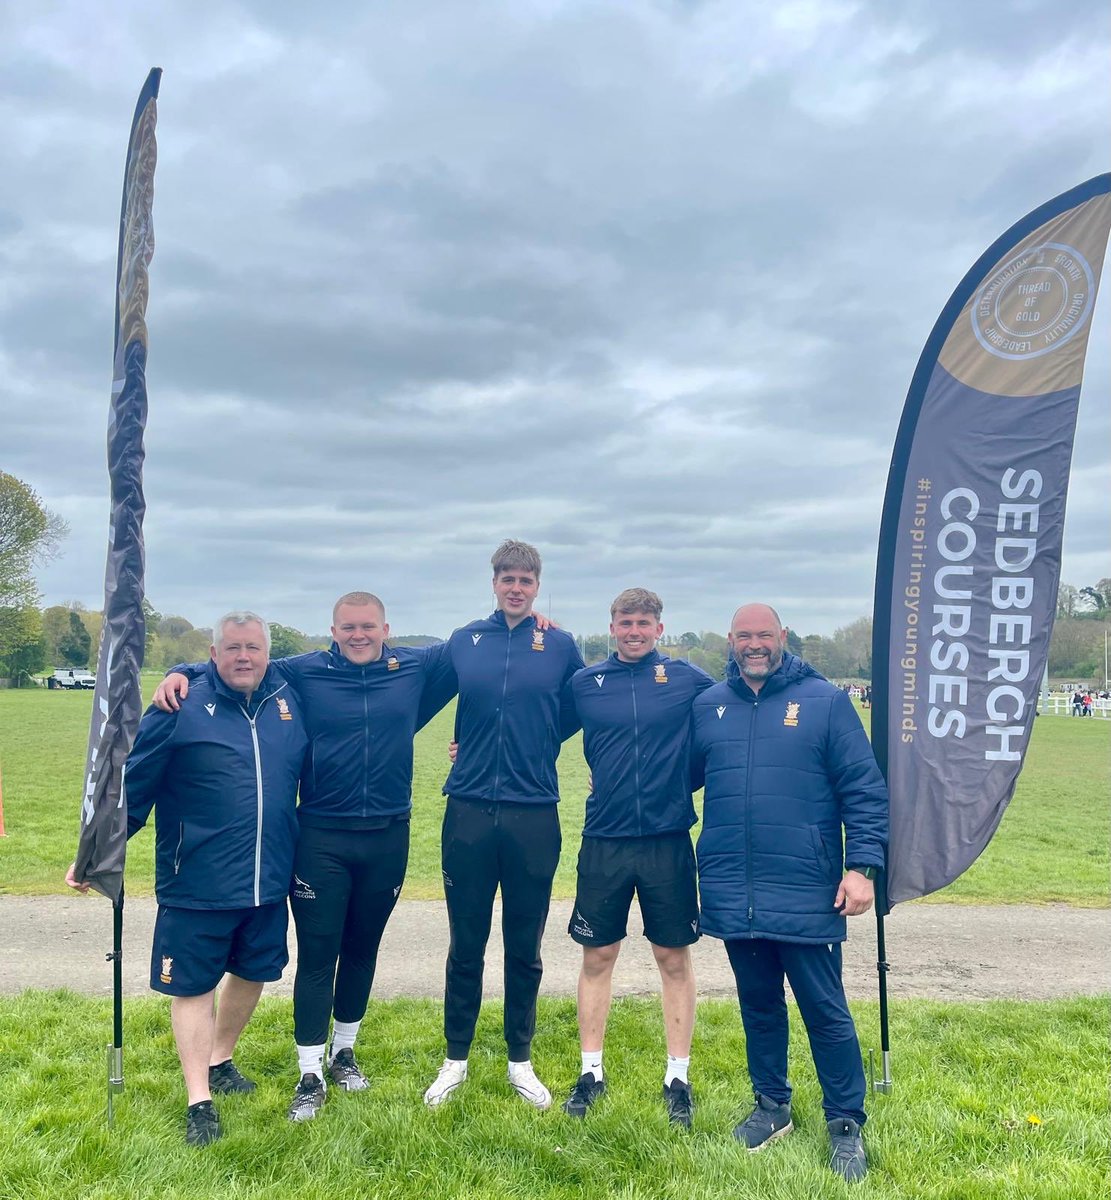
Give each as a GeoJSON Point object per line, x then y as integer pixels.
{"type": "Point", "coordinates": [1002, 1101]}
{"type": "Point", "coordinates": [1053, 844]}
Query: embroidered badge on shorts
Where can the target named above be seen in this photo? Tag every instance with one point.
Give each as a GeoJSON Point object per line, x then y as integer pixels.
{"type": "Point", "coordinates": [538, 639]}
{"type": "Point", "coordinates": [792, 715]}
{"type": "Point", "coordinates": [167, 969]}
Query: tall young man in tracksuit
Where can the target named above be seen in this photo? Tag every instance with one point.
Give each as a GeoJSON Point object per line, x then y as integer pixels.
{"type": "Point", "coordinates": [221, 776]}
{"type": "Point", "coordinates": [787, 768]}
{"type": "Point", "coordinates": [635, 711]}
{"type": "Point", "coordinates": [501, 826]}
{"type": "Point", "coordinates": [363, 702]}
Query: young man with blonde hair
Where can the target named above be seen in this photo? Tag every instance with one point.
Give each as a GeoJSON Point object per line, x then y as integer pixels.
{"type": "Point", "coordinates": [635, 712]}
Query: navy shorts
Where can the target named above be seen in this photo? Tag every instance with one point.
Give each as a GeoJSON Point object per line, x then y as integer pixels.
{"type": "Point", "coordinates": [659, 869]}
{"type": "Point", "coordinates": [194, 947]}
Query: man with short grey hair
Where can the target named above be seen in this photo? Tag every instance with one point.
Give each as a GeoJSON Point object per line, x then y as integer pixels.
{"type": "Point", "coordinates": [221, 775]}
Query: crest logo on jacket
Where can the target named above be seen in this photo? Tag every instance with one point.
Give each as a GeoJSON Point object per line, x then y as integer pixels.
{"type": "Point", "coordinates": [538, 639]}
{"type": "Point", "coordinates": [283, 709]}
{"type": "Point", "coordinates": [392, 664]}
{"type": "Point", "coordinates": [661, 673]}
{"type": "Point", "coordinates": [791, 717]}
{"type": "Point", "coordinates": [599, 679]}
{"type": "Point", "coordinates": [721, 711]}
{"type": "Point", "coordinates": [167, 969]}
{"type": "Point", "coordinates": [210, 709]}
{"type": "Point", "coordinates": [475, 637]}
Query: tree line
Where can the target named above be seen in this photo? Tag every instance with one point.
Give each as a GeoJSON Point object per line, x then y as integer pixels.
{"type": "Point", "coordinates": [35, 639]}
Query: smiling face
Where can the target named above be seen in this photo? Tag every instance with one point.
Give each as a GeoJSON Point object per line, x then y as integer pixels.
{"type": "Point", "coordinates": [515, 590]}
{"type": "Point", "coordinates": [636, 634]}
{"type": "Point", "coordinates": [360, 630]}
{"type": "Point", "coordinates": [757, 640]}
{"type": "Point", "coordinates": [242, 656]}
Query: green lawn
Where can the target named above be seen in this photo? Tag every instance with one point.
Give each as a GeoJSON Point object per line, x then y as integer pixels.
{"type": "Point", "coordinates": [1052, 845]}
{"type": "Point", "coordinates": [1002, 1100]}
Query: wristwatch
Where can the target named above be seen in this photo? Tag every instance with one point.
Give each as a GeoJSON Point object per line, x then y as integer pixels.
{"type": "Point", "coordinates": [867, 872]}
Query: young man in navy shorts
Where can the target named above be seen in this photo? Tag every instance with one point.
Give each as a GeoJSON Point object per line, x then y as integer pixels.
{"type": "Point", "coordinates": [635, 712]}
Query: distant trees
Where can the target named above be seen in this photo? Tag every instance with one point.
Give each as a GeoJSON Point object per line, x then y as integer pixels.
{"type": "Point", "coordinates": [75, 644]}
{"type": "Point", "coordinates": [29, 534]}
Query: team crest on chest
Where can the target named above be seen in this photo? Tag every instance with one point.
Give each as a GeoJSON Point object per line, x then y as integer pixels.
{"type": "Point", "coordinates": [791, 717]}
{"type": "Point", "coordinates": [661, 673]}
{"type": "Point", "coordinates": [721, 711]}
{"type": "Point", "coordinates": [538, 639]}
{"type": "Point", "coordinates": [283, 709]}
{"type": "Point", "coordinates": [392, 664]}
{"type": "Point", "coordinates": [599, 679]}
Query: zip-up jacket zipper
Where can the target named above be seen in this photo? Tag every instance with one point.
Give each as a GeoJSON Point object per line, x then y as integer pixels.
{"type": "Point", "coordinates": [748, 817]}
{"type": "Point", "coordinates": [501, 711]}
{"type": "Point", "coordinates": [258, 789]}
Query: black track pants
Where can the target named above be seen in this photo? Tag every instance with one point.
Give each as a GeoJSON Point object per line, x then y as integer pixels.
{"type": "Point", "coordinates": [484, 845]}
{"type": "Point", "coordinates": [345, 885]}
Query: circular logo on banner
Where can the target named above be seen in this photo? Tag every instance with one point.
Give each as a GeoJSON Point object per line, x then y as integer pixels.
{"type": "Point", "coordinates": [1034, 303]}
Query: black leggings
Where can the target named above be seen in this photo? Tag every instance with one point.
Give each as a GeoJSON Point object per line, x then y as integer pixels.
{"type": "Point", "coordinates": [484, 845]}
{"type": "Point", "coordinates": [345, 885]}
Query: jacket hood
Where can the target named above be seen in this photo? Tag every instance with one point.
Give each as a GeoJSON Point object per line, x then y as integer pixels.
{"type": "Point", "coordinates": [789, 671]}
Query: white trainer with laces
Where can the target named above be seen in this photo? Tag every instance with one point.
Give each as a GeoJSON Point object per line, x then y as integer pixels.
{"type": "Point", "coordinates": [452, 1074]}
{"type": "Point", "coordinates": [523, 1080]}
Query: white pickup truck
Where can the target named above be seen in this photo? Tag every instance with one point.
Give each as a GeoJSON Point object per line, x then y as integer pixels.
{"type": "Point", "coordinates": [71, 677]}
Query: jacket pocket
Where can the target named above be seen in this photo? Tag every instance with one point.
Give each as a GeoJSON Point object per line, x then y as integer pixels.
{"type": "Point", "coordinates": [821, 852]}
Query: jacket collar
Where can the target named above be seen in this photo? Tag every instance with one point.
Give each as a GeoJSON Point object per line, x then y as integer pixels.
{"type": "Point", "coordinates": [267, 684]}
{"type": "Point", "coordinates": [345, 664]}
{"type": "Point", "coordinates": [789, 671]}
{"type": "Point", "coordinates": [649, 660]}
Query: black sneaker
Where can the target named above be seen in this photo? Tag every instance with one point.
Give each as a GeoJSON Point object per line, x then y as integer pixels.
{"type": "Point", "coordinates": [344, 1072]}
{"type": "Point", "coordinates": [680, 1103]}
{"type": "Point", "coordinates": [847, 1158]}
{"type": "Point", "coordinates": [764, 1124]}
{"type": "Point", "coordinates": [583, 1095]}
{"type": "Point", "coordinates": [202, 1123]}
{"type": "Point", "coordinates": [225, 1078]}
{"type": "Point", "coordinates": [308, 1099]}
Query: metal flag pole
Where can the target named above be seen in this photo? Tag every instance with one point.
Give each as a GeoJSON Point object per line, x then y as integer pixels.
{"type": "Point", "coordinates": [885, 1084]}
{"type": "Point", "coordinates": [115, 1050]}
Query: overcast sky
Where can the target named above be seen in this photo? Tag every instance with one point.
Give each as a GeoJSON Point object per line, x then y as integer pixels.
{"type": "Point", "coordinates": [641, 282]}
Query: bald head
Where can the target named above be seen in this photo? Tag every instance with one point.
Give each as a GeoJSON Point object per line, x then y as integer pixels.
{"type": "Point", "coordinates": [757, 638]}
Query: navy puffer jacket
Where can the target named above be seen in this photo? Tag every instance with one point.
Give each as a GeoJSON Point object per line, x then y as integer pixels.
{"type": "Point", "coordinates": [785, 769]}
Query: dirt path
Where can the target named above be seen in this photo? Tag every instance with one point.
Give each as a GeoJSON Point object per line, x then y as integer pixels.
{"type": "Point", "coordinates": [944, 951]}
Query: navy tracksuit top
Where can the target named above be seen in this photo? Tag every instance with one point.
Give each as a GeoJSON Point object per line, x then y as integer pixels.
{"type": "Point", "coordinates": [514, 710]}
{"type": "Point", "coordinates": [221, 775]}
{"type": "Point", "coordinates": [636, 738]}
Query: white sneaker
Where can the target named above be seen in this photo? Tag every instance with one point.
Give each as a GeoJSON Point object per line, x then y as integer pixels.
{"type": "Point", "coordinates": [523, 1080]}
{"type": "Point", "coordinates": [452, 1074]}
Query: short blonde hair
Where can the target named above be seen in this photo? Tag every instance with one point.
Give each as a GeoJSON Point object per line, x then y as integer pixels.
{"type": "Point", "coordinates": [634, 600]}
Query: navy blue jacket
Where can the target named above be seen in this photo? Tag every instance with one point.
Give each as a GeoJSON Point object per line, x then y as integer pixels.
{"type": "Point", "coordinates": [361, 720]}
{"type": "Point", "coordinates": [514, 710]}
{"type": "Point", "coordinates": [784, 769]}
{"type": "Point", "coordinates": [636, 738]}
{"type": "Point", "coordinates": [221, 775]}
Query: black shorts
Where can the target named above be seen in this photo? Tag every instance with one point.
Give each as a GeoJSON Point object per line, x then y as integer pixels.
{"type": "Point", "coordinates": [659, 869]}
{"type": "Point", "coordinates": [193, 947]}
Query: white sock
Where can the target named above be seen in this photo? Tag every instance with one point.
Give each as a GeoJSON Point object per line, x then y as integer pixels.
{"type": "Point", "coordinates": [592, 1063]}
{"type": "Point", "coordinates": [310, 1060]}
{"type": "Point", "coordinates": [677, 1068]}
{"type": "Point", "coordinates": [514, 1067]}
{"type": "Point", "coordinates": [344, 1034]}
